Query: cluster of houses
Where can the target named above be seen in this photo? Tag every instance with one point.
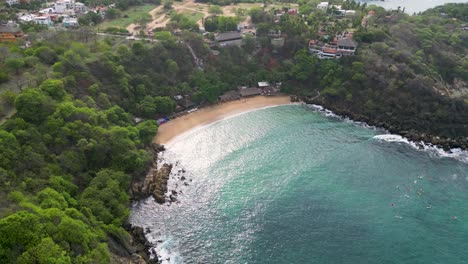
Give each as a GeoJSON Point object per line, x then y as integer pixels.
{"type": "Point", "coordinates": [184, 103]}
{"type": "Point", "coordinates": [337, 8]}
{"type": "Point", "coordinates": [66, 9]}
{"type": "Point", "coordinates": [341, 45]}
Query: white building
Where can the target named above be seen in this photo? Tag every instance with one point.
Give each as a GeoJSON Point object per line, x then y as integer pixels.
{"type": "Point", "coordinates": [60, 7]}
{"type": "Point", "coordinates": [12, 2]}
{"type": "Point", "coordinates": [323, 6]}
{"type": "Point", "coordinates": [26, 18]}
{"type": "Point", "coordinates": [69, 6]}
{"type": "Point", "coordinates": [43, 20]}
{"type": "Point", "coordinates": [49, 10]}
{"type": "Point", "coordinates": [70, 22]}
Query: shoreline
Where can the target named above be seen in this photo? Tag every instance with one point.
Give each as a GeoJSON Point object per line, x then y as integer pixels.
{"type": "Point", "coordinates": [212, 113]}
{"type": "Point", "coordinates": [447, 144]}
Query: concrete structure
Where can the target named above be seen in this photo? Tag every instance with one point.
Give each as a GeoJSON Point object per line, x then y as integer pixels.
{"type": "Point", "coordinates": [43, 20]}
{"type": "Point", "coordinates": [315, 46]}
{"type": "Point", "coordinates": [277, 42]}
{"type": "Point", "coordinates": [328, 52]}
{"type": "Point", "coordinates": [49, 10]}
{"type": "Point", "coordinates": [26, 18]}
{"type": "Point", "coordinates": [346, 46]}
{"type": "Point", "coordinates": [323, 6]}
{"type": "Point", "coordinates": [12, 2]}
{"type": "Point", "coordinates": [70, 22]}
{"type": "Point", "coordinates": [69, 6]}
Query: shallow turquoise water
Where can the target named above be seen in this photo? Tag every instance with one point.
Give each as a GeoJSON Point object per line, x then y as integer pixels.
{"type": "Point", "coordinates": [290, 185]}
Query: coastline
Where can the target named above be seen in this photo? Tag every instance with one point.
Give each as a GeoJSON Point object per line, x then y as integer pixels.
{"type": "Point", "coordinates": [213, 113]}
{"type": "Point", "coordinates": [410, 133]}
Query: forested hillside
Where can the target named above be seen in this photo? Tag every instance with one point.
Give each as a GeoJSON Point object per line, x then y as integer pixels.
{"type": "Point", "coordinates": [73, 147]}
{"type": "Point", "coordinates": [410, 75]}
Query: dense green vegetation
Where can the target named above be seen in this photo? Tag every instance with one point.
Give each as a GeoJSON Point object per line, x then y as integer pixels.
{"type": "Point", "coordinates": [409, 73]}
{"type": "Point", "coordinates": [66, 163]}
{"type": "Point", "coordinates": [70, 152]}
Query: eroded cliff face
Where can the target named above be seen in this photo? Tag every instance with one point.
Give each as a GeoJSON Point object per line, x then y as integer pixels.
{"type": "Point", "coordinates": [155, 182]}
{"type": "Point", "coordinates": [131, 249]}
{"type": "Point", "coordinates": [135, 248]}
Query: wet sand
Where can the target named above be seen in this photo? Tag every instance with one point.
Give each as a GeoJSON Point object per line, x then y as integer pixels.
{"type": "Point", "coordinates": [210, 114]}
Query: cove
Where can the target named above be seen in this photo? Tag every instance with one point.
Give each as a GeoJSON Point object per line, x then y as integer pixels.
{"type": "Point", "coordinates": [292, 185]}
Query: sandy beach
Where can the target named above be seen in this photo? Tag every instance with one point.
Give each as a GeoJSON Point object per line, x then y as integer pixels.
{"type": "Point", "coordinates": [213, 113]}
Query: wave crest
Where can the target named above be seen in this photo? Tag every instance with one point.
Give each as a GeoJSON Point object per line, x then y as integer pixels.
{"type": "Point", "coordinates": [434, 151]}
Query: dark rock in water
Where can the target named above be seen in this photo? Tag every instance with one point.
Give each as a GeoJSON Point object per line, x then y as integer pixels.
{"type": "Point", "coordinates": [182, 178]}
{"type": "Point", "coordinates": [137, 259]}
{"type": "Point", "coordinates": [130, 249]}
{"type": "Point", "coordinates": [186, 184]}
{"type": "Point", "coordinates": [157, 185]}
{"type": "Point", "coordinates": [174, 192]}
{"type": "Point", "coordinates": [172, 198]}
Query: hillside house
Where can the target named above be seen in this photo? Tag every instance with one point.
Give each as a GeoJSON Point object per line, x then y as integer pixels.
{"type": "Point", "coordinates": [328, 52]}
{"type": "Point", "coordinates": [315, 46]}
{"type": "Point", "coordinates": [70, 22]}
{"type": "Point", "coordinates": [10, 32]}
{"type": "Point", "coordinates": [69, 6]}
{"type": "Point", "coordinates": [346, 46]}
{"type": "Point", "coordinates": [43, 20]}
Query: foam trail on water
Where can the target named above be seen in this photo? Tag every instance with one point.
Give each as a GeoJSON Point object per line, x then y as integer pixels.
{"type": "Point", "coordinates": [328, 113]}
{"type": "Point", "coordinates": [166, 250]}
{"type": "Point", "coordinates": [323, 110]}
{"type": "Point", "coordinates": [434, 151]}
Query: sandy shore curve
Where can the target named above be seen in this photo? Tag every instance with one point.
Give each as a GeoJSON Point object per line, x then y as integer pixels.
{"type": "Point", "coordinates": [210, 114]}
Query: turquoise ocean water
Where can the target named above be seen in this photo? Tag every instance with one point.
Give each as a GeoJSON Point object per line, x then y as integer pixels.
{"type": "Point", "coordinates": [290, 184]}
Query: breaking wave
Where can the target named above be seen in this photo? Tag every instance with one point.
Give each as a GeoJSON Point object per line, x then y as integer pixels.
{"type": "Point", "coordinates": [434, 151]}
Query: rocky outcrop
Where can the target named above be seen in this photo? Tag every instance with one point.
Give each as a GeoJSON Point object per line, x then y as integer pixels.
{"type": "Point", "coordinates": [410, 133]}
{"type": "Point", "coordinates": [132, 248]}
{"type": "Point", "coordinates": [135, 249]}
{"type": "Point", "coordinates": [155, 181]}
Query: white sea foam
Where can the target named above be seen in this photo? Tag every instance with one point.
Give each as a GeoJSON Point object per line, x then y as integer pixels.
{"type": "Point", "coordinates": [166, 250]}
{"type": "Point", "coordinates": [328, 113]}
{"type": "Point", "coordinates": [434, 151]}
{"type": "Point", "coordinates": [323, 110]}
